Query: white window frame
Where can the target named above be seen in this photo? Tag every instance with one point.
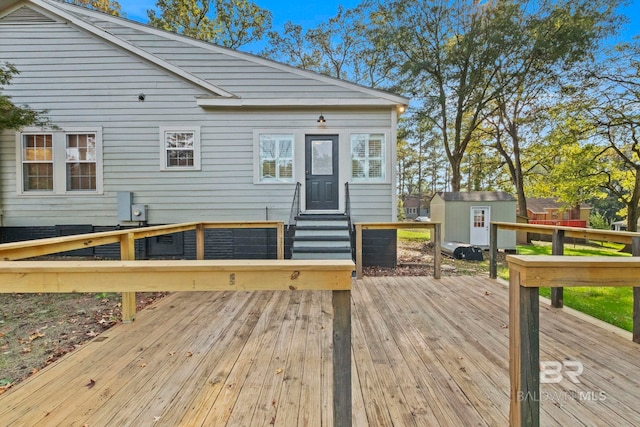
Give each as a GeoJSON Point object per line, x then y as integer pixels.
{"type": "Point", "coordinates": [196, 147]}
{"type": "Point", "coordinates": [384, 158]}
{"type": "Point", "coordinates": [257, 138]}
{"type": "Point", "coordinates": [59, 147]}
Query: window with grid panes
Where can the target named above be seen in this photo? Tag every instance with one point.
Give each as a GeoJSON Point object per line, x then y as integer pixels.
{"type": "Point", "coordinates": [276, 158]}
{"type": "Point", "coordinates": [368, 157]}
{"type": "Point", "coordinates": [60, 162]}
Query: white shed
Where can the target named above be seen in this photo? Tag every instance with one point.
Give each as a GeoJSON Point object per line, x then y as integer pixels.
{"type": "Point", "coordinates": [466, 216]}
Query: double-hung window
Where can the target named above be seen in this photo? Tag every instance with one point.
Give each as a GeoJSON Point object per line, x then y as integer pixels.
{"type": "Point", "coordinates": [60, 162]}
{"type": "Point", "coordinates": [275, 157]}
{"type": "Point", "coordinates": [180, 148]}
{"type": "Point", "coordinates": [368, 157]}
{"type": "Point", "coordinates": [81, 162]}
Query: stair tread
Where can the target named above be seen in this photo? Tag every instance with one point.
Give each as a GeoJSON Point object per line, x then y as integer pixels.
{"type": "Point", "coordinates": [320, 249]}
{"type": "Point", "coordinates": [314, 238]}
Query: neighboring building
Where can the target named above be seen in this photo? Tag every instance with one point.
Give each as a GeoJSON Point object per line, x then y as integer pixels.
{"type": "Point", "coordinates": [622, 225]}
{"type": "Point", "coordinates": [548, 211]}
{"type": "Point", "coordinates": [466, 216]}
{"type": "Point", "coordinates": [413, 208]}
{"type": "Point", "coordinates": [185, 130]}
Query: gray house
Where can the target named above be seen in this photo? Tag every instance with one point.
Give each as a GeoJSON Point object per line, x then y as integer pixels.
{"type": "Point", "coordinates": [466, 216]}
{"type": "Point", "coordinates": [183, 129]}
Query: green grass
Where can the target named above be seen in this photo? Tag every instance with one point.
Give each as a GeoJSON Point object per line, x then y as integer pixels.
{"type": "Point", "coordinates": [610, 304]}
{"type": "Point", "coordinates": [613, 305]}
{"type": "Point", "coordinates": [414, 235]}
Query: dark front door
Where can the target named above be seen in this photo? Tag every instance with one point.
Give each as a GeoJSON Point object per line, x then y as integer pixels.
{"type": "Point", "coordinates": [321, 169]}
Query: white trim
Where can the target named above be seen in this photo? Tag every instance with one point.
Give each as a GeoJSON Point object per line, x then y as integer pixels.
{"type": "Point", "coordinates": [391, 99]}
{"type": "Point", "coordinates": [290, 102]}
{"type": "Point", "coordinates": [197, 164]}
{"type": "Point", "coordinates": [256, 155]}
{"type": "Point", "coordinates": [387, 179]}
{"type": "Point", "coordinates": [58, 9]}
{"type": "Point", "coordinates": [59, 161]}
{"type": "Point", "coordinates": [393, 160]}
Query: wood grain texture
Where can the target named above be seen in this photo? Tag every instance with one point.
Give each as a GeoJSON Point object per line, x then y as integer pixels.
{"type": "Point", "coordinates": [425, 352]}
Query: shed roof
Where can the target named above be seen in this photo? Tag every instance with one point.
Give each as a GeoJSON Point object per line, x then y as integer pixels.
{"type": "Point", "coordinates": [476, 196]}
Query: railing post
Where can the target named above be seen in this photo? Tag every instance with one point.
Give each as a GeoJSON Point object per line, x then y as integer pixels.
{"type": "Point", "coordinates": [493, 251]}
{"type": "Point", "coordinates": [128, 253]}
{"type": "Point", "coordinates": [359, 251]}
{"type": "Point", "coordinates": [635, 251]}
{"type": "Point", "coordinates": [280, 239]}
{"type": "Point", "coordinates": [524, 349]}
{"type": "Point", "coordinates": [437, 251]}
{"type": "Point", "coordinates": [342, 402]}
{"type": "Point", "coordinates": [200, 241]}
{"type": "Point", "coordinates": [557, 248]}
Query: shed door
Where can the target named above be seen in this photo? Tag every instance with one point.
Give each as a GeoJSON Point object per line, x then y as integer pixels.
{"type": "Point", "coordinates": [480, 220]}
{"type": "Point", "coordinates": [321, 170]}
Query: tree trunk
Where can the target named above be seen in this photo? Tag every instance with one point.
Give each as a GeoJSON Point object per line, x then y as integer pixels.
{"type": "Point", "coordinates": [456, 176]}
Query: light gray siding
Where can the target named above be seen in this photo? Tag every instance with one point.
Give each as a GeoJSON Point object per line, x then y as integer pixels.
{"type": "Point", "coordinates": [242, 74]}
{"type": "Point", "coordinates": [84, 82]}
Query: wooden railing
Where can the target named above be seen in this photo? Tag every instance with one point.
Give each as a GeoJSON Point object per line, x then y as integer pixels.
{"type": "Point", "coordinates": [557, 248]}
{"type": "Point", "coordinates": [126, 238]}
{"type": "Point", "coordinates": [129, 277]}
{"type": "Point", "coordinates": [526, 275]}
{"type": "Point", "coordinates": [435, 238]}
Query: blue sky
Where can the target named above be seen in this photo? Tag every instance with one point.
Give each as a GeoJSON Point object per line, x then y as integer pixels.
{"type": "Point", "coordinates": [310, 12]}
{"type": "Point", "coordinates": [305, 13]}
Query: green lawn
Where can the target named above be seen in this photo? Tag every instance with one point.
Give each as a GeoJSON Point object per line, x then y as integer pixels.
{"type": "Point", "coordinates": [611, 304]}
{"type": "Point", "coordinates": [414, 235]}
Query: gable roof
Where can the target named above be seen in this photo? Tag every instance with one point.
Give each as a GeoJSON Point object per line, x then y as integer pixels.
{"type": "Point", "coordinates": [476, 196]}
{"type": "Point", "coordinates": [159, 47]}
{"type": "Point", "coordinates": [542, 204]}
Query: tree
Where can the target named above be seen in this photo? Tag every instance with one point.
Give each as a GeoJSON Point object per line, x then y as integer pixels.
{"type": "Point", "coordinates": [230, 23]}
{"type": "Point", "coordinates": [551, 40]}
{"type": "Point", "coordinates": [342, 47]}
{"type": "Point", "coordinates": [597, 145]}
{"type": "Point", "coordinates": [616, 119]}
{"type": "Point", "coordinates": [107, 6]}
{"type": "Point", "coordinates": [445, 53]}
{"type": "Point", "coordinates": [12, 116]}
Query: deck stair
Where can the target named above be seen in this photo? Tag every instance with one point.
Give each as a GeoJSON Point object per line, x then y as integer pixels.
{"type": "Point", "coordinates": [321, 236]}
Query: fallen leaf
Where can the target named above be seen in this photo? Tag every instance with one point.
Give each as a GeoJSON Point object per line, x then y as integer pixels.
{"type": "Point", "coordinates": [35, 336]}
{"type": "Point", "coordinates": [91, 384]}
{"type": "Point", "coordinates": [279, 371]}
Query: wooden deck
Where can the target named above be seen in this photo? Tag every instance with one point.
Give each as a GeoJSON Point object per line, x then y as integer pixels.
{"type": "Point", "coordinates": [425, 353]}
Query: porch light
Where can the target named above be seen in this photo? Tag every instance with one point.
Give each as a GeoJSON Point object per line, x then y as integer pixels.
{"type": "Point", "coordinates": [321, 119]}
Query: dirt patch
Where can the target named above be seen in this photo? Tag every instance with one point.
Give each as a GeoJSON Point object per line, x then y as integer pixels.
{"type": "Point", "coordinates": [37, 329]}
{"type": "Point", "coordinates": [416, 259]}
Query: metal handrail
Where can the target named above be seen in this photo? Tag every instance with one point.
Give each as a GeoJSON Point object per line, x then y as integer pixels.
{"type": "Point", "coordinates": [347, 200]}
{"type": "Point", "coordinates": [295, 206]}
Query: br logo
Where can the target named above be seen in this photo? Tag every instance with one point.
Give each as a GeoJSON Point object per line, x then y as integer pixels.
{"type": "Point", "coordinates": [552, 372]}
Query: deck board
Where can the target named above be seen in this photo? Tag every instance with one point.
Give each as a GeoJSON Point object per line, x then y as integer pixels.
{"type": "Point", "coordinates": [425, 353]}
